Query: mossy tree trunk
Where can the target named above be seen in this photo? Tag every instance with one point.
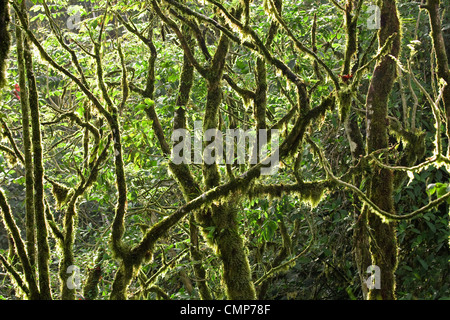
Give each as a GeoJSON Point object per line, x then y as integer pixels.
{"type": "Point", "coordinates": [5, 40]}
{"type": "Point", "coordinates": [190, 188]}
{"type": "Point", "coordinates": [30, 288]}
{"type": "Point", "coordinates": [181, 172]}
{"type": "Point", "coordinates": [223, 216]}
{"type": "Point", "coordinates": [443, 71]}
{"type": "Point", "coordinates": [28, 157]}
{"type": "Point", "coordinates": [35, 163]}
{"type": "Point", "coordinates": [43, 250]}
{"type": "Point", "coordinates": [356, 142]}
{"type": "Point", "coordinates": [383, 241]}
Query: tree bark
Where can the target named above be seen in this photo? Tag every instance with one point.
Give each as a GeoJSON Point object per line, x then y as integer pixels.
{"type": "Point", "coordinates": [223, 217]}
{"type": "Point", "coordinates": [43, 251]}
{"type": "Point", "coordinates": [28, 157]}
{"type": "Point", "coordinates": [443, 71]}
{"type": "Point", "coordinates": [383, 241]}
{"type": "Point", "coordinates": [5, 40]}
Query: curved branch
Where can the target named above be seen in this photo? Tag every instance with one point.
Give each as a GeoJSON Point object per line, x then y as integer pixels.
{"type": "Point", "coordinates": [301, 47]}
{"type": "Point", "coordinates": [14, 274]}
{"type": "Point", "coordinates": [60, 39]}
{"type": "Point", "coordinates": [181, 38]}
{"type": "Point", "coordinates": [7, 132]}
{"type": "Point", "coordinates": [20, 246]}
{"type": "Point", "coordinates": [371, 205]}
{"type": "Point", "coordinates": [210, 21]}
{"type": "Point", "coordinates": [289, 262]}
{"type": "Point", "coordinates": [58, 67]}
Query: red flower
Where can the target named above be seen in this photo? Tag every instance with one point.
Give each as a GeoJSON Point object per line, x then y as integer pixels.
{"type": "Point", "coordinates": [16, 91]}
{"type": "Point", "coordinates": [346, 77]}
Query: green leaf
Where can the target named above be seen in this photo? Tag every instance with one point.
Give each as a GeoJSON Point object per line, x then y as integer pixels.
{"type": "Point", "coordinates": [149, 102]}
{"type": "Point", "coordinates": [431, 226]}
{"type": "Point", "coordinates": [408, 268]}
{"type": "Point", "coordinates": [210, 231]}
{"type": "Point", "coordinates": [80, 111]}
{"type": "Point", "coordinates": [141, 106]}
{"type": "Point", "coordinates": [442, 188]}
{"type": "Point", "coordinates": [423, 263]}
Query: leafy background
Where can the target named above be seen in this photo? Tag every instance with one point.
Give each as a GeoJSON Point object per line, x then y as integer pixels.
{"type": "Point", "coordinates": [327, 270]}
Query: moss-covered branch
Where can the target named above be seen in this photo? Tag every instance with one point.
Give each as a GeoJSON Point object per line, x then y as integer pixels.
{"type": "Point", "coordinates": [6, 132]}
{"type": "Point", "coordinates": [69, 227]}
{"type": "Point", "coordinates": [186, 10]}
{"type": "Point", "coordinates": [296, 135]}
{"type": "Point", "coordinates": [125, 85]}
{"type": "Point", "coordinates": [15, 275]}
{"type": "Point", "coordinates": [57, 32]}
{"type": "Point", "coordinates": [5, 40]}
{"type": "Point", "coordinates": [443, 71]}
{"type": "Point", "coordinates": [289, 263]}
{"type": "Point", "coordinates": [149, 282]}
{"type": "Point", "coordinates": [10, 155]}
{"type": "Point", "coordinates": [172, 24]}
{"type": "Point", "coordinates": [373, 206]}
{"type": "Point", "coordinates": [276, 14]}
{"type": "Point", "coordinates": [11, 226]}
{"type": "Point", "coordinates": [193, 26]}
{"type": "Point", "coordinates": [43, 250]}
{"type": "Point", "coordinates": [96, 102]}
{"type": "Point", "coordinates": [28, 160]}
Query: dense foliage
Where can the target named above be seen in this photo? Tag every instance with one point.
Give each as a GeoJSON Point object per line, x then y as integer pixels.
{"type": "Point", "coordinates": [95, 89]}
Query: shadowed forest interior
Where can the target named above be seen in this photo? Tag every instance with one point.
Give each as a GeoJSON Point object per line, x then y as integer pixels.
{"type": "Point", "coordinates": [108, 112]}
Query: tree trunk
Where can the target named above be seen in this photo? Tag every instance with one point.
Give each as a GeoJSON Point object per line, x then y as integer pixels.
{"type": "Point", "coordinates": [5, 40]}
{"type": "Point", "coordinates": [382, 240]}
{"type": "Point", "coordinates": [223, 217]}
{"type": "Point", "coordinates": [28, 157]}
{"type": "Point", "coordinates": [443, 71]}
{"type": "Point", "coordinates": [43, 251]}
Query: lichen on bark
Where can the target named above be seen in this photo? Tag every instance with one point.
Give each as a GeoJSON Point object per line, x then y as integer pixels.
{"type": "Point", "coordinates": [5, 40]}
{"type": "Point", "coordinates": [383, 242]}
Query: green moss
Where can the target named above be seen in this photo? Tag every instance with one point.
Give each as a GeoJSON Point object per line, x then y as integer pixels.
{"type": "Point", "coordinates": [220, 229]}
{"type": "Point", "coordinates": [345, 102]}
{"type": "Point", "coordinates": [61, 193]}
{"type": "Point", "coordinates": [10, 224]}
{"type": "Point", "coordinates": [10, 158]}
{"type": "Point", "coordinates": [5, 40]}
{"type": "Point", "coordinates": [90, 290]}
{"type": "Point", "coordinates": [123, 277]}
{"type": "Point", "coordinates": [313, 196]}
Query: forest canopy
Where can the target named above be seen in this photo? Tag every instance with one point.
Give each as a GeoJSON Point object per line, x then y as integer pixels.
{"type": "Point", "coordinates": [242, 149]}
